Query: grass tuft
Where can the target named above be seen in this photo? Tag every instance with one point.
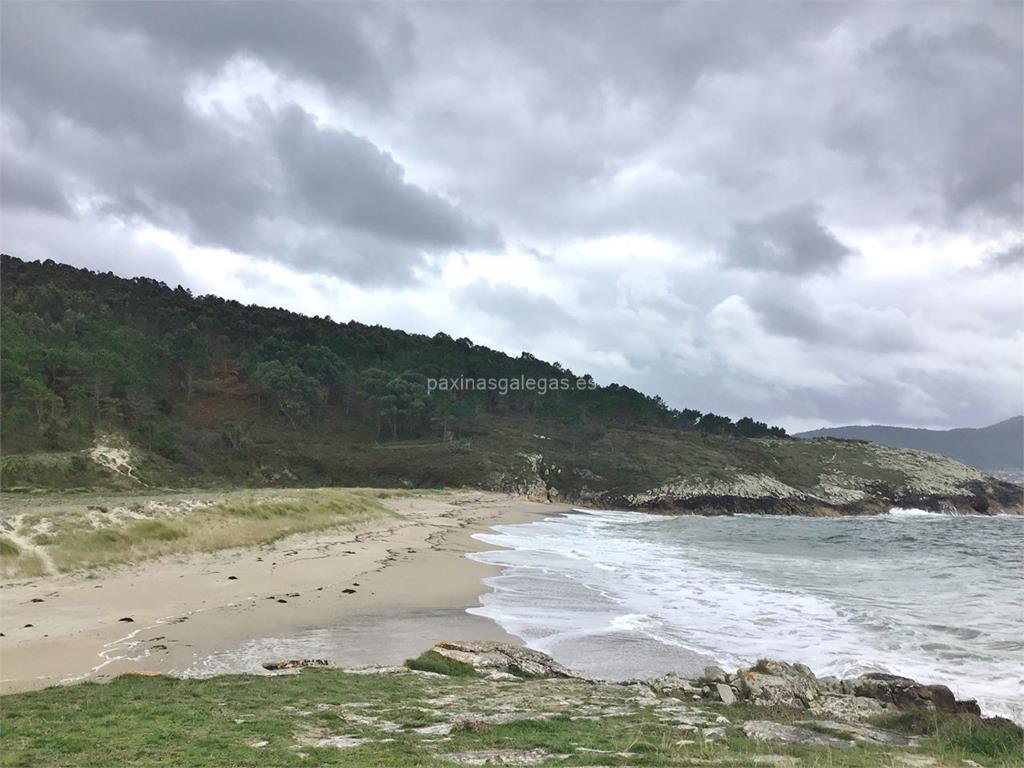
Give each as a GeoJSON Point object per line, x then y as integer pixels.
{"type": "Point", "coordinates": [8, 548]}
{"type": "Point", "coordinates": [432, 661]}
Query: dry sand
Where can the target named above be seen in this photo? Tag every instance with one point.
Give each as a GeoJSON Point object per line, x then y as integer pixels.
{"type": "Point", "coordinates": [410, 582]}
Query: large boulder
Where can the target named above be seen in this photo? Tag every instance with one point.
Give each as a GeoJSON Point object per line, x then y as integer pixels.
{"type": "Point", "coordinates": [776, 683]}
{"type": "Point", "coordinates": [676, 686]}
{"type": "Point", "coordinates": [486, 655]}
{"type": "Point", "coordinates": [904, 693]}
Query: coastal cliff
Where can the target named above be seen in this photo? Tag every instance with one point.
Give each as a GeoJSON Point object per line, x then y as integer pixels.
{"type": "Point", "coordinates": [828, 477]}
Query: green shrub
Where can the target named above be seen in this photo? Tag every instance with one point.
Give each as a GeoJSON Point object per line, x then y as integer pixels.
{"type": "Point", "coordinates": [9, 548]}
{"type": "Point", "coordinates": [432, 661]}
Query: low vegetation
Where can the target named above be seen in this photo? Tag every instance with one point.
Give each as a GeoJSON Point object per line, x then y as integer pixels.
{"type": "Point", "coordinates": [431, 661]}
{"type": "Point", "coordinates": [960, 737]}
{"type": "Point", "coordinates": [71, 532]}
{"type": "Point", "coordinates": [332, 717]}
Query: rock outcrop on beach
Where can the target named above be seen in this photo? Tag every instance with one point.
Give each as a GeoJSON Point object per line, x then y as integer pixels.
{"type": "Point", "coordinates": [772, 683]}
{"type": "Point", "coordinates": [488, 656]}
{"type": "Point", "coordinates": [769, 683]}
{"type": "Point", "coordinates": [488, 703]}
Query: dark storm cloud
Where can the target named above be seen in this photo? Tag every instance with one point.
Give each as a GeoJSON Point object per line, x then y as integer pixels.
{"type": "Point", "coordinates": [106, 104]}
{"type": "Point", "coordinates": [25, 183]}
{"type": "Point", "coordinates": [944, 106]}
{"type": "Point", "coordinates": [791, 241]}
{"type": "Point", "coordinates": [57, 64]}
{"type": "Point", "coordinates": [658, 134]}
{"type": "Point", "coordinates": [344, 179]}
{"type": "Point", "coordinates": [797, 315]}
{"type": "Point", "coordinates": [1010, 258]}
{"type": "Point", "coordinates": [357, 48]}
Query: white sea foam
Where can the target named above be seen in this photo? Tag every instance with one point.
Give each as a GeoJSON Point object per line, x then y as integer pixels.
{"type": "Point", "coordinates": [844, 596]}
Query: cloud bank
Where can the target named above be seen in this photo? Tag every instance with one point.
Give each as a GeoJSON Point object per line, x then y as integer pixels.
{"type": "Point", "coordinates": [807, 212]}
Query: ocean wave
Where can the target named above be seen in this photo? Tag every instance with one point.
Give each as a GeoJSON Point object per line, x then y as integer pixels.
{"type": "Point", "coordinates": [843, 595]}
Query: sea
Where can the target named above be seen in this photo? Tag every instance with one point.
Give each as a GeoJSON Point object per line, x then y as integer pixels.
{"type": "Point", "coordinates": [939, 598]}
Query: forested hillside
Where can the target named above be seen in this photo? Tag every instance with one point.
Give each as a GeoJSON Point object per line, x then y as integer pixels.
{"type": "Point", "coordinates": [199, 390]}
{"type": "Point", "coordinates": [85, 351]}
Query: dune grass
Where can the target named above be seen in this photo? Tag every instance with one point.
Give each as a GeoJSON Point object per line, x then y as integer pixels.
{"type": "Point", "coordinates": [15, 561]}
{"type": "Point", "coordinates": [80, 532]}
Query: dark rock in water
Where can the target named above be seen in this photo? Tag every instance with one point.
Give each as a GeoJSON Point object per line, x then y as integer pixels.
{"type": "Point", "coordinates": [36, 600]}
{"type": "Point", "coordinates": [502, 657]}
{"type": "Point", "coordinates": [348, 591]}
{"type": "Point", "coordinates": [281, 600]}
{"type": "Point", "coordinates": [295, 664]}
{"type": "Point", "coordinates": [232, 578]}
{"type": "Point", "coordinates": [28, 626]}
{"type": "Point", "coordinates": [127, 619]}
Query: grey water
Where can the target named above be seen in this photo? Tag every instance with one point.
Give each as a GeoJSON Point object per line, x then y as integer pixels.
{"type": "Point", "coordinates": [933, 597]}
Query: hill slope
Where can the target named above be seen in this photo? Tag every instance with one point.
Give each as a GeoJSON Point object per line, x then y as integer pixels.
{"type": "Point", "coordinates": [996, 447]}
{"type": "Point", "coordinates": [121, 383]}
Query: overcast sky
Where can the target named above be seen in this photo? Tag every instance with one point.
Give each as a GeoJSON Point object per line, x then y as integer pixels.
{"type": "Point", "coordinates": [811, 214]}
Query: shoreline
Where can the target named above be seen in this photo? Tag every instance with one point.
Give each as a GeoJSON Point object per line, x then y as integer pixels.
{"type": "Point", "coordinates": [377, 596]}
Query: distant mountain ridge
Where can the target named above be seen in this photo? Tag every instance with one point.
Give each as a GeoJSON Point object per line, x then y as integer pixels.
{"type": "Point", "coordinates": [997, 447]}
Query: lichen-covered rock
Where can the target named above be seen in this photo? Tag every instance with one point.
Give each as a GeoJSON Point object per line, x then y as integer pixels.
{"type": "Point", "coordinates": [502, 657]}
{"type": "Point", "coordinates": [725, 693]}
{"type": "Point", "coordinates": [295, 664]}
{"type": "Point", "coordinates": [861, 732]}
{"type": "Point", "coordinates": [715, 675]}
{"type": "Point", "coordinates": [776, 683]}
{"type": "Point", "coordinates": [778, 733]}
{"type": "Point", "coordinates": [846, 707]}
{"type": "Point", "coordinates": [676, 686]}
{"type": "Point", "coordinates": [905, 693]}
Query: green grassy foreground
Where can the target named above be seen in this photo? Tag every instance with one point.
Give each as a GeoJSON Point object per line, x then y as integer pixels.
{"type": "Point", "coordinates": [331, 717]}
{"type": "Point", "coordinates": [60, 533]}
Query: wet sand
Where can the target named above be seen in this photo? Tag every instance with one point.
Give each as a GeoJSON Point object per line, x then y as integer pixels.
{"type": "Point", "coordinates": [376, 596]}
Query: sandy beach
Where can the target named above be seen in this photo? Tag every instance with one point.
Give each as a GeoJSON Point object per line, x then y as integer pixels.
{"type": "Point", "coordinates": [382, 593]}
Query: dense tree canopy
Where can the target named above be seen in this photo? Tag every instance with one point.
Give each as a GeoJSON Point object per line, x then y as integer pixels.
{"type": "Point", "coordinates": [84, 352]}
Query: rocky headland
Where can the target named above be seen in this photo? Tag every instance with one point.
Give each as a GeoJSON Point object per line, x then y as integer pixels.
{"type": "Point", "coordinates": [835, 477]}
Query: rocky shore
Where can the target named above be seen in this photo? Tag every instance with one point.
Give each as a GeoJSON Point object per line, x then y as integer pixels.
{"type": "Point", "coordinates": [768, 683]}
{"type": "Point", "coordinates": [490, 703]}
